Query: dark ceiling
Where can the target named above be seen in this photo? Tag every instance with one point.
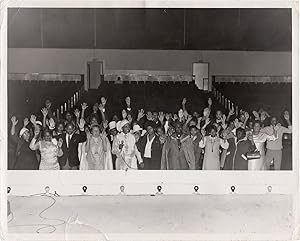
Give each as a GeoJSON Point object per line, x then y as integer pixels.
{"type": "Point", "coordinates": [191, 29]}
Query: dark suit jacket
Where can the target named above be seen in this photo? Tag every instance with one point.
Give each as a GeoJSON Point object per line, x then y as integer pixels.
{"type": "Point", "coordinates": [71, 153]}
{"type": "Point", "coordinates": [156, 151]}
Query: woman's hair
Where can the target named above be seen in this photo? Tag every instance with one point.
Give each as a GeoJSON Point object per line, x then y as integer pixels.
{"type": "Point", "coordinates": [240, 129]}
{"type": "Point", "coordinates": [257, 122]}
{"type": "Point", "coordinates": [160, 127]}
{"type": "Point", "coordinates": [192, 127]}
{"type": "Point", "coordinates": [96, 126]}
{"type": "Point", "coordinates": [212, 127]}
{"type": "Point", "coordinates": [46, 130]}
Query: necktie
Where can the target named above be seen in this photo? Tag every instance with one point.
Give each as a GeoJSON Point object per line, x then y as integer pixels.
{"type": "Point", "coordinates": [69, 140]}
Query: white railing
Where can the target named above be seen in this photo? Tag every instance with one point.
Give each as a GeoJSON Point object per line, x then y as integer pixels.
{"type": "Point", "coordinates": [224, 101]}
{"type": "Point", "coordinates": [70, 103]}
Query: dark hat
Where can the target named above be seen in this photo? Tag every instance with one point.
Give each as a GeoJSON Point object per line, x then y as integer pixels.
{"type": "Point", "coordinates": [150, 123]}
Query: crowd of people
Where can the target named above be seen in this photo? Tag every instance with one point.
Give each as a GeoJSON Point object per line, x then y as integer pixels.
{"type": "Point", "coordinates": [100, 140]}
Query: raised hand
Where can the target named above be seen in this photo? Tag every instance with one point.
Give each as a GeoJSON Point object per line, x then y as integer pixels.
{"type": "Point", "coordinates": [141, 114]}
{"type": "Point", "coordinates": [161, 116]}
{"type": "Point", "coordinates": [84, 106]}
{"type": "Point", "coordinates": [51, 123]}
{"type": "Point", "coordinates": [33, 119]}
{"type": "Point", "coordinates": [231, 111]}
{"type": "Point", "coordinates": [149, 116]}
{"type": "Point", "coordinates": [286, 115]}
{"type": "Point", "coordinates": [25, 122]}
{"type": "Point", "coordinates": [184, 101]}
{"type": "Point", "coordinates": [247, 115]}
{"type": "Point", "coordinates": [44, 112]}
{"type": "Point", "coordinates": [124, 114]}
{"type": "Point", "coordinates": [77, 113]}
{"type": "Point", "coordinates": [14, 121]}
{"type": "Point", "coordinates": [256, 115]}
{"type": "Point", "coordinates": [60, 142]}
{"type": "Point", "coordinates": [81, 123]}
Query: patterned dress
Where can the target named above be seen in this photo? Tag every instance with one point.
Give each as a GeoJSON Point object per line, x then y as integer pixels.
{"type": "Point", "coordinates": [49, 153]}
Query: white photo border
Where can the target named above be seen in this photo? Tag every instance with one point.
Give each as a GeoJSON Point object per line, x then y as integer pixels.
{"type": "Point", "coordinates": [145, 182]}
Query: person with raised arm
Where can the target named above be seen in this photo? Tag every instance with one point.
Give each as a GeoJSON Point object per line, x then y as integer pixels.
{"type": "Point", "coordinates": [178, 150]}
{"type": "Point", "coordinates": [151, 147]}
{"type": "Point", "coordinates": [98, 150]}
{"type": "Point", "coordinates": [49, 148]}
{"type": "Point", "coordinates": [124, 147]}
{"type": "Point", "coordinates": [70, 158]}
{"type": "Point", "coordinates": [196, 137]}
{"type": "Point", "coordinates": [93, 115]}
{"type": "Point", "coordinates": [260, 139]}
{"type": "Point", "coordinates": [212, 144]}
{"type": "Point", "coordinates": [274, 147]}
{"type": "Point", "coordinates": [25, 158]}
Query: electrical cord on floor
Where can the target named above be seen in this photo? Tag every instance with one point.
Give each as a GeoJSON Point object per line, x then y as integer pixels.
{"type": "Point", "coordinates": [43, 226]}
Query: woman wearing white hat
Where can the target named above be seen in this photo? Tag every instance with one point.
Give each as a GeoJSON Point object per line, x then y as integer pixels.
{"type": "Point", "coordinates": [124, 146]}
{"type": "Point", "coordinates": [25, 157]}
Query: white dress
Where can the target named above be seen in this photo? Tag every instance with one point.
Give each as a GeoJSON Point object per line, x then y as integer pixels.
{"type": "Point", "coordinates": [129, 155]}
{"type": "Point", "coordinates": [259, 141]}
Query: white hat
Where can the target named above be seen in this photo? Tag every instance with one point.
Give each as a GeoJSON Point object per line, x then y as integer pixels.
{"type": "Point", "coordinates": [136, 128]}
{"type": "Point", "coordinates": [22, 131]}
{"type": "Point", "coordinates": [112, 125]}
{"type": "Point", "coordinates": [39, 123]}
{"type": "Point", "coordinates": [121, 123]}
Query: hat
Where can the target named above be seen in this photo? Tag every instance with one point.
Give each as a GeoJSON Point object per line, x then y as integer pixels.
{"type": "Point", "coordinates": [150, 123]}
{"type": "Point", "coordinates": [39, 123]}
{"type": "Point", "coordinates": [22, 131]}
{"type": "Point", "coordinates": [136, 128]}
{"type": "Point", "coordinates": [121, 124]}
{"type": "Point", "coordinates": [112, 125]}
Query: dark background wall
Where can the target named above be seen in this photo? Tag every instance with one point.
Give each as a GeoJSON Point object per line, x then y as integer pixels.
{"type": "Point", "coordinates": [189, 29]}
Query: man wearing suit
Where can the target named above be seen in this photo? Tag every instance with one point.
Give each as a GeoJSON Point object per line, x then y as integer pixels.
{"type": "Point", "coordinates": [151, 148]}
{"type": "Point", "coordinates": [70, 160]}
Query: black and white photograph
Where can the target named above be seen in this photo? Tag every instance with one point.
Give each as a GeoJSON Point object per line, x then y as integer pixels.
{"type": "Point", "coordinates": [163, 123]}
